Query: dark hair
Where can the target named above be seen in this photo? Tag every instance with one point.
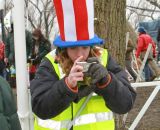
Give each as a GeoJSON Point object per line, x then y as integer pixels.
{"type": "Point", "coordinates": [141, 30]}
{"type": "Point", "coordinates": [37, 32]}
{"type": "Point", "coordinates": [158, 35]}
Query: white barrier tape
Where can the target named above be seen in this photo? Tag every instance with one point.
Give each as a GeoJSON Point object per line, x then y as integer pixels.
{"type": "Point", "coordinates": [145, 84]}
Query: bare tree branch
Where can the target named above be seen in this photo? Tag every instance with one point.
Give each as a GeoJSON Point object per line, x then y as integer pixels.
{"type": "Point", "coordinates": [155, 3]}
{"type": "Point", "coordinates": [137, 12]}
{"type": "Point", "coordinates": [148, 10]}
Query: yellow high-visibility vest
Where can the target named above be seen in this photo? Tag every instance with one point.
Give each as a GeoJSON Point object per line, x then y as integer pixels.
{"type": "Point", "coordinates": [95, 115]}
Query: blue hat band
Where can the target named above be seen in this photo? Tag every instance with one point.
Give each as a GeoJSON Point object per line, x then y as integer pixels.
{"type": "Point", "coordinates": [94, 41]}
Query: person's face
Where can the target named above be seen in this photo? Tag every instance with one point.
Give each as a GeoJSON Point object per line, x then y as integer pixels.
{"type": "Point", "coordinates": [75, 52]}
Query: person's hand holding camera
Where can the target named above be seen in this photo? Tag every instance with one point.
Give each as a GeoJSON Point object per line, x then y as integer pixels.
{"type": "Point", "coordinates": [98, 72]}
{"type": "Point", "coordinates": [75, 75]}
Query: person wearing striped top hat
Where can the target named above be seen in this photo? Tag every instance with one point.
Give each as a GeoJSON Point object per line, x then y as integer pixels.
{"type": "Point", "coordinates": [79, 85]}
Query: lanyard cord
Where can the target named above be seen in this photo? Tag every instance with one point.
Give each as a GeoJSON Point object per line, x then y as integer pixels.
{"type": "Point", "coordinates": [70, 124]}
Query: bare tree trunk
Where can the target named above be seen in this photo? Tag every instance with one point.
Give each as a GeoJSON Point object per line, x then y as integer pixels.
{"type": "Point", "coordinates": [110, 24]}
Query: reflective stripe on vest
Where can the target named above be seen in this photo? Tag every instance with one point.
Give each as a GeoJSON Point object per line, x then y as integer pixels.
{"type": "Point", "coordinates": [81, 120]}
{"type": "Point", "coordinates": [91, 118]}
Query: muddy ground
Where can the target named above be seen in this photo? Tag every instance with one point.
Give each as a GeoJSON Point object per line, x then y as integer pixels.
{"type": "Point", "coordinates": [151, 119]}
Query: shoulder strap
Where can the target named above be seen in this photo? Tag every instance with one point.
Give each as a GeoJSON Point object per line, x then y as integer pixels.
{"type": "Point", "coordinates": [71, 123]}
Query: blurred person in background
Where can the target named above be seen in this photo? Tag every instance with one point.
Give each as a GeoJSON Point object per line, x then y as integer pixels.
{"type": "Point", "coordinates": [10, 53]}
{"type": "Point", "coordinates": [143, 42]}
{"type": "Point", "coordinates": [8, 113]}
{"type": "Point", "coordinates": [40, 47]}
{"type": "Point", "coordinates": [2, 64]}
{"type": "Point", "coordinates": [9, 49]}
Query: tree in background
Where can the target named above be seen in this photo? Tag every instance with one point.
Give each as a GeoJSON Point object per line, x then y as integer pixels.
{"type": "Point", "coordinates": [140, 10]}
{"type": "Point", "coordinates": [110, 25]}
{"type": "Point", "coordinates": [38, 14]}
{"type": "Point", "coordinates": [154, 2]}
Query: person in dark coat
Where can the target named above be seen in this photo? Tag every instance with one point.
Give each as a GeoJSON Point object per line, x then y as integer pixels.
{"type": "Point", "coordinates": [8, 113]}
{"type": "Point", "coordinates": [72, 72]}
{"type": "Point", "coordinates": [47, 82]}
{"type": "Point", "coordinates": [9, 46]}
{"type": "Point", "coordinates": [10, 54]}
{"type": "Point", "coordinates": [40, 47]}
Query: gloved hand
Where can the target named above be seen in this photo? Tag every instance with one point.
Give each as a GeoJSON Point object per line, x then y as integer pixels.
{"type": "Point", "coordinates": [97, 71]}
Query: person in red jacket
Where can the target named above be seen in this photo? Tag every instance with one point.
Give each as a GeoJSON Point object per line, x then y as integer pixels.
{"type": "Point", "coordinates": [2, 64]}
{"type": "Point", "coordinates": [143, 41]}
{"type": "Point", "coordinates": [142, 44]}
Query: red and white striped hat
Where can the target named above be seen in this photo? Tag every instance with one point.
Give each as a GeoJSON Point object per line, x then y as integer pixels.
{"type": "Point", "coordinates": [76, 23]}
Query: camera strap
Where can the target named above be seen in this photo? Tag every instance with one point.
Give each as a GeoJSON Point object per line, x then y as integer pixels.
{"type": "Point", "coordinates": [71, 123]}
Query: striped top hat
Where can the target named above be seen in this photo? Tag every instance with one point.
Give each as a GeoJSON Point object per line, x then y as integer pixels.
{"type": "Point", "coordinates": [76, 23]}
